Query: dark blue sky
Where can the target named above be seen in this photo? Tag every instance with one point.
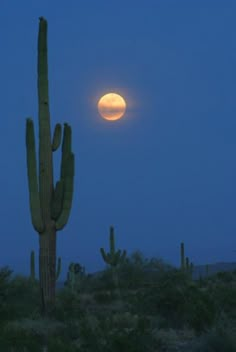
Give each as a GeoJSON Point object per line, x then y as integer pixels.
{"type": "Point", "coordinates": [163, 174]}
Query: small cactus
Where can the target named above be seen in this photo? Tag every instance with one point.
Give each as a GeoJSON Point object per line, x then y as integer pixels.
{"type": "Point", "coordinates": [74, 276]}
{"type": "Point", "coordinates": [185, 264]}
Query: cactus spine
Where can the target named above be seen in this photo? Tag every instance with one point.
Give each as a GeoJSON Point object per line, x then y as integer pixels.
{"type": "Point", "coordinates": [49, 205]}
{"type": "Point", "coordinates": [32, 266]}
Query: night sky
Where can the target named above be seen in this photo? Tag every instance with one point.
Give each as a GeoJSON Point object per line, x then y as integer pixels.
{"type": "Point", "coordinates": [166, 171]}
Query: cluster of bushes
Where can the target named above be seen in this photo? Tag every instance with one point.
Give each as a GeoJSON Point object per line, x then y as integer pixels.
{"type": "Point", "coordinates": [156, 296]}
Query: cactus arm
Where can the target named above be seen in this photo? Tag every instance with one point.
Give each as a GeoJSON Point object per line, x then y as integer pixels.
{"type": "Point", "coordinates": [105, 257]}
{"type": "Point", "coordinates": [67, 175]}
{"type": "Point", "coordinates": [56, 137]}
{"type": "Point", "coordinates": [58, 268]}
{"type": "Point", "coordinates": [67, 194]}
{"type": "Point", "coordinates": [66, 148]}
{"type": "Point", "coordinates": [35, 208]}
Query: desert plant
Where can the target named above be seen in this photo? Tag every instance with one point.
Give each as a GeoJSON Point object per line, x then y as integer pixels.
{"type": "Point", "coordinates": [216, 340]}
{"type": "Point", "coordinates": [75, 277]}
{"type": "Point", "coordinates": [49, 206]}
{"type": "Point", "coordinates": [113, 258]}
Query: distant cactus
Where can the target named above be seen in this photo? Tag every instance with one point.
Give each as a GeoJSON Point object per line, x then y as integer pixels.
{"type": "Point", "coordinates": [50, 204]}
{"type": "Point", "coordinates": [114, 259]}
{"type": "Point", "coordinates": [186, 266]}
{"type": "Point", "coordinates": [182, 259]}
{"type": "Point", "coordinates": [32, 266]}
{"type": "Point", "coordinates": [187, 263]}
{"type": "Point", "coordinates": [74, 276]}
{"type": "Point", "coordinates": [191, 268]}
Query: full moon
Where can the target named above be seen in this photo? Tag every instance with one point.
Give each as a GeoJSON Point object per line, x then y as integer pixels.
{"type": "Point", "coordinates": [111, 106]}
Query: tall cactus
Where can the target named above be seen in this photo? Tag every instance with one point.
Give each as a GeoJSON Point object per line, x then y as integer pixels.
{"type": "Point", "coordinates": [49, 205]}
{"type": "Point", "coordinates": [32, 266]}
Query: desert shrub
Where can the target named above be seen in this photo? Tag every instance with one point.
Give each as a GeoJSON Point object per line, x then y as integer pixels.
{"type": "Point", "coordinates": [217, 340]}
{"type": "Point", "coordinates": [179, 301]}
{"type": "Point", "coordinates": [22, 298]}
{"type": "Point", "coordinates": [57, 344]}
{"type": "Point", "coordinates": [67, 306]}
{"type": "Point", "coordinates": [225, 298]}
{"type": "Point", "coordinates": [122, 332]}
{"type": "Point", "coordinates": [225, 276]}
{"type": "Point", "coordinates": [13, 337]}
{"type": "Point", "coordinates": [5, 276]}
{"type": "Point", "coordinates": [89, 283]}
{"type": "Point", "coordinates": [103, 297]}
{"type": "Point", "coordinates": [131, 271]}
{"type": "Point", "coordinates": [200, 311]}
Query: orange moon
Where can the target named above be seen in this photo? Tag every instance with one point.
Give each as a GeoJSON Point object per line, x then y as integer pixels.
{"type": "Point", "coordinates": [111, 106]}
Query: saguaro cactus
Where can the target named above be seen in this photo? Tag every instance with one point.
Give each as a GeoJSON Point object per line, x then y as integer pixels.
{"type": "Point", "coordinates": [49, 206]}
{"type": "Point", "coordinates": [185, 264]}
{"type": "Point", "coordinates": [113, 259]}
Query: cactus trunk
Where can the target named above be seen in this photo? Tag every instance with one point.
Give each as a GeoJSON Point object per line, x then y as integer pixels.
{"type": "Point", "coordinates": [47, 266]}
{"type": "Point", "coordinates": [47, 239]}
{"type": "Point", "coordinates": [32, 266]}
